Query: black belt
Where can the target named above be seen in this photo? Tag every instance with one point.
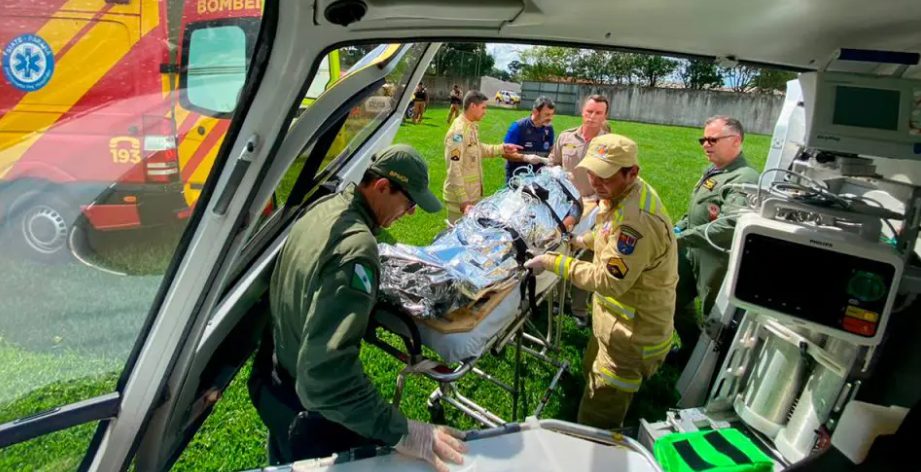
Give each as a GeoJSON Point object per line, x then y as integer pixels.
{"type": "Point", "coordinates": [282, 386]}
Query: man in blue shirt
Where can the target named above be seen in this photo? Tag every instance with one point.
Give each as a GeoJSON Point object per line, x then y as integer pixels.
{"type": "Point", "coordinates": [534, 134]}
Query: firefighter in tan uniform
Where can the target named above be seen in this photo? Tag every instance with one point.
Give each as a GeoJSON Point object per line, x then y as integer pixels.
{"type": "Point", "coordinates": [463, 185]}
{"type": "Point", "coordinates": [633, 275]}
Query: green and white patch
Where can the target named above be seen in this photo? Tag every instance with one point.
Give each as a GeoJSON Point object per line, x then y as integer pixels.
{"type": "Point", "coordinates": [362, 278]}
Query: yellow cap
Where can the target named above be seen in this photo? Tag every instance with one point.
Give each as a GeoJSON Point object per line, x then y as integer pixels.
{"type": "Point", "coordinates": [609, 153]}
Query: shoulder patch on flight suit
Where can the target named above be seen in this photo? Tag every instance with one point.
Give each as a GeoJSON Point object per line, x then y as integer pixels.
{"type": "Point", "coordinates": [627, 238]}
{"type": "Point", "coordinates": [617, 267]}
{"type": "Point", "coordinates": [455, 155]}
{"type": "Point", "coordinates": [713, 210]}
{"type": "Point", "coordinates": [362, 278]}
{"type": "Point", "coordinates": [458, 137]}
{"type": "Point", "coordinates": [709, 183]}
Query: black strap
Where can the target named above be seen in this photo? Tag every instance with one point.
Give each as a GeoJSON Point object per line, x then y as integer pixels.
{"type": "Point", "coordinates": [543, 194]}
{"type": "Point", "coordinates": [690, 457]}
{"type": "Point", "coordinates": [529, 290]}
{"type": "Point", "coordinates": [521, 247]}
{"type": "Point", "coordinates": [572, 198]}
{"type": "Point", "coordinates": [721, 444]}
{"type": "Point", "coordinates": [413, 344]}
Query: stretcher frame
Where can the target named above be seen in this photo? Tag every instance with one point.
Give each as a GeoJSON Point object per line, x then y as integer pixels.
{"type": "Point", "coordinates": [546, 349]}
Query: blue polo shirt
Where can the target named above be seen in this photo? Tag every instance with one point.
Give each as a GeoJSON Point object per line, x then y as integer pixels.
{"type": "Point", "coordinates": [534, 139]}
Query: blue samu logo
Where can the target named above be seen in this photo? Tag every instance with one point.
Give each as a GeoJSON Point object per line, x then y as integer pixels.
{"type": "Point", "coordinates": [28, 62]}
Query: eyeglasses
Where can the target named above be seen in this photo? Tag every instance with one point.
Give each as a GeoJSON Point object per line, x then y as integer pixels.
{"type": "Point", "coordinates": [398, 188]}
{"type": "Point", "coordinates": [713, 141]}
{"type": "Point", "coordinates": [412, 204]}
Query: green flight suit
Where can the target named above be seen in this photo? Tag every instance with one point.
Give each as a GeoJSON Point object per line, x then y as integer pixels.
{"type": "Point", "coordinates": [702, 267]}
{"type": "Point", "coordinates": [322, 292]}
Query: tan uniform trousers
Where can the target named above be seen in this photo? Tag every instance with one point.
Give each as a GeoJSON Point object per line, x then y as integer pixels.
{"type": "Point", "coordinates": [614, 369]}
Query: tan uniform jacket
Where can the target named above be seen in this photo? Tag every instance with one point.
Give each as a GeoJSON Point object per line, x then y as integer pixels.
{"type": "Point", "coordinates": [463, 152]}
{"type": "Point", "coordinates": [634, 271]}
{"type": "Point", "coordinates": [568, 152]}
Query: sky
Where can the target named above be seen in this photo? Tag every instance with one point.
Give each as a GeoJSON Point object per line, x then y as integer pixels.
{"type": "Point", "coordinates": [504, 53]}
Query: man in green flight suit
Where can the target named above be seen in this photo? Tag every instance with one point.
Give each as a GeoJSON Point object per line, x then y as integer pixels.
{"type": "Point", "coordinates": [714, 200]}
{"type": "Point", "coordinates": [317, 399]}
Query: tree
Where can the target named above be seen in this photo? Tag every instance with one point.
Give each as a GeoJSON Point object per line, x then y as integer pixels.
{"type": "Point", "coordinates": [500, 74]}
{"type": "Point", "coordinates": [740, 78]}
{"type": "Point", "coordinates": [462, 59]}
{"type": "Point", "coordinates": [701, 74]}
{"type": "Point", "coordinates": [547, 63]}
{"type": "Point", "coordinates": [594, 66]}
{"type": "Point", "coordinates": [623, 67]}
{"type": "Point", "coordinates": [652, 69]}
{"type": "Point", "coordinates": [770, 80]}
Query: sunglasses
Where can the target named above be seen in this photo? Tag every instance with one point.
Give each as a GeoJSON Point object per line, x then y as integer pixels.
{"type": "Point", "coordinates": [399, 188]}
{"type": "Point", "coordinates": [713, 141]}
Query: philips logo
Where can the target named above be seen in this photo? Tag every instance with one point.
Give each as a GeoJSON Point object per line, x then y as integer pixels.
{"type": "Point", "coordinates": [821, 243]}
{"type": "Point", "coordinates": [823, 137]}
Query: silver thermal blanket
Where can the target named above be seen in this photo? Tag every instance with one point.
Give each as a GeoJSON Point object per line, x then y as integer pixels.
{"type": "Point", "coordinates": [485, 249]}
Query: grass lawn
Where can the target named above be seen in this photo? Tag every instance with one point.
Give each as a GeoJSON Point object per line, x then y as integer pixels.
{"type": "Point", "coordinates": [61, 345]}
{"type": "Point", "coordinates": [670, 160]}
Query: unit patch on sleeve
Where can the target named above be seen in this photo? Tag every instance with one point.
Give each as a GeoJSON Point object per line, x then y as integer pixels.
{"type": "Point", "coordinates": [627, 239]}
{"type": "Point", "coordinates": [457, 137]}
{"type": "Point", "coordinates": [362, 278]}
{"type": "Point", "coordinates": [617, 267]}
{"type": "Point", "coordinates": [455, 155]}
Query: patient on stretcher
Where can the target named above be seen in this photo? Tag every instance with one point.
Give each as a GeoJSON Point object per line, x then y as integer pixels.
{"type": "Point", "coordinates": [485, 250]}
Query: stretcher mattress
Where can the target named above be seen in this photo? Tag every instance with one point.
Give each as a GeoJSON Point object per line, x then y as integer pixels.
{"type": "Point", "coordinates": [454, 347]}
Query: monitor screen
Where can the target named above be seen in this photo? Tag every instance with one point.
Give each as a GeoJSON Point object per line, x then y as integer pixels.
{"type": "Point", "coordinates": [866, 107]}
{"type": "Point", "coordinates": [841, 291]}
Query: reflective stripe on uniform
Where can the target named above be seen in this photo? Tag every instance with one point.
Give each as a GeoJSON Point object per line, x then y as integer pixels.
{"type": "Point", "coordinates": [651, 203]}
{"type": "Point", "coordinates": [625, 384]}
{"type": "Point", "coordinates": [561, 265]}
{"type": "Point", "coordinates": [659, 349]}
{"type": "Point", "coordinates": [471, 178]}
{"type": "Point", "coordinates": [645, 199]}
{"type": "Point", "coordinates": [625, 311]}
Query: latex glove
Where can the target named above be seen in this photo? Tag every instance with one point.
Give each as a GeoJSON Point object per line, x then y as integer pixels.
{"type": "Point", "coordinates": [433, 444]}
{"type": "Point", "coordinates": [532, 159]}
{"type": "Point", "coordinates": [540, 263]}
{"type": "Point", "coordinates": [579, 242]}
{"type": "Point", "coordinates": [677, 230]}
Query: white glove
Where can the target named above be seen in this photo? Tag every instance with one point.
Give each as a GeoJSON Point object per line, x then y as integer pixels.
{"type": "Point", "coordinates": [434, 444]}
{"type": "Point", "coordinates": [539, 263]}
{"type": "Point", "coordinates": [533, 159]}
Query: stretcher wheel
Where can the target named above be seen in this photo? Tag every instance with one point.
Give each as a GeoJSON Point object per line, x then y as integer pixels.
{"type": "Point", "coordinates": [437, 413]}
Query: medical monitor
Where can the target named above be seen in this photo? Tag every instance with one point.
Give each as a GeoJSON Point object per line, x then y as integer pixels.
{"type": "Point", "coordinates": [828, 281]}
{"type": "Point", "coordinates": [863, 114]}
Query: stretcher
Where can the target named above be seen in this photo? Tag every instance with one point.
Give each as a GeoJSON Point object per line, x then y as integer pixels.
{"type": "Point", "coordinates": [532, 446]}
{"type": "Point", "coordinates": [509, 320]}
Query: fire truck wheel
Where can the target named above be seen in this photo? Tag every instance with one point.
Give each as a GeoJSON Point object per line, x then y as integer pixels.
{"type": "Point", "coordinates": [39, 226]}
